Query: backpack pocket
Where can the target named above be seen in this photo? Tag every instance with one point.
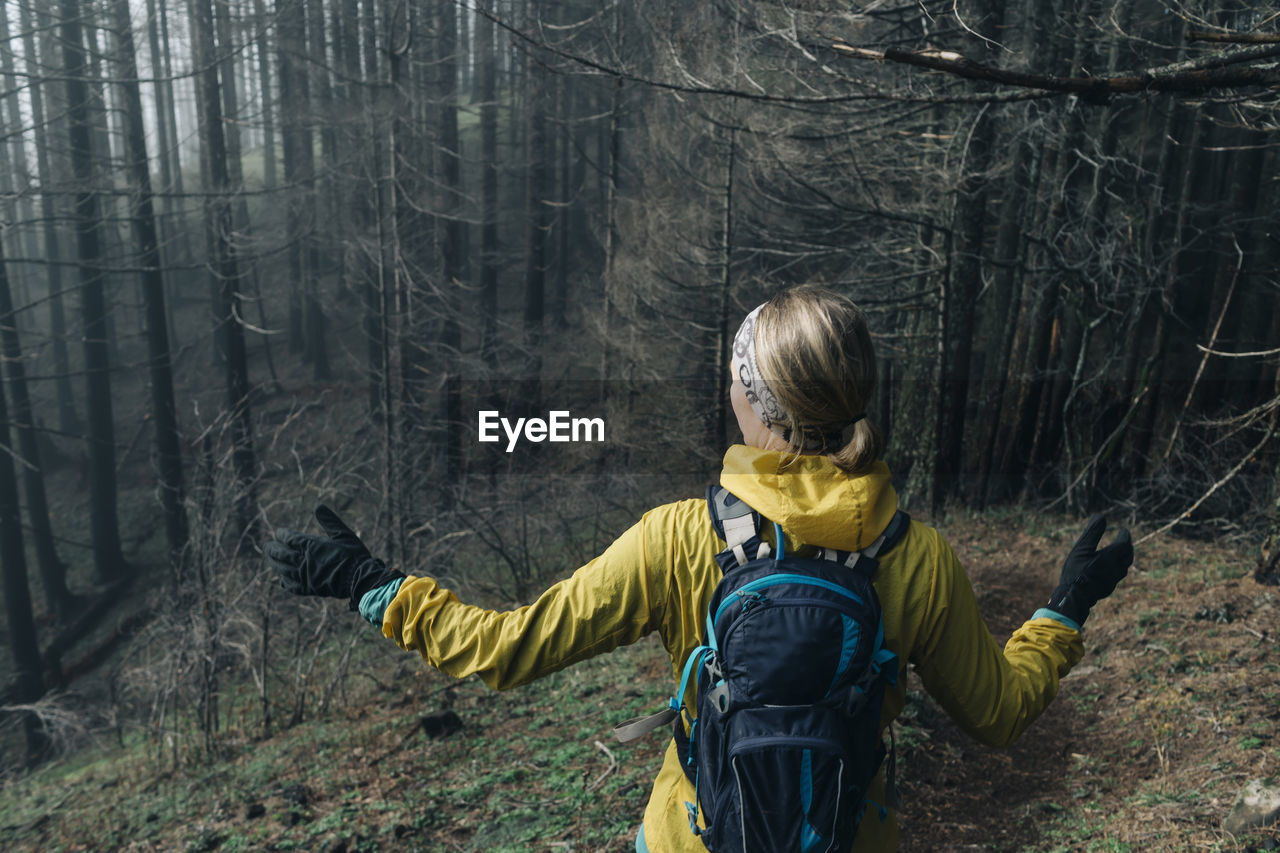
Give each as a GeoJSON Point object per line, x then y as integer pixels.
{"type": "Point", "coordinates": [789, 769]}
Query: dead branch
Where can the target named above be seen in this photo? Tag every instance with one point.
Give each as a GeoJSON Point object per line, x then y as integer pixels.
{"type": "Point", "coordinates": [1215, 71]}
{"type": "Point", "coordinates": [1213, 340]}
{"type": "Point", "coordinates": [613, 765]}
{"type": "Point", "coordinates": [1234, 38]}
{"type": "Point", "coordinates": [1271, 430]}
{"type": "Point", "coordinates": [1259, 354]}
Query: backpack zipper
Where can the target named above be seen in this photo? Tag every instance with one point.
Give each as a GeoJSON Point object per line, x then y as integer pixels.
{"type": "Point", "coordinates": [773, 580]}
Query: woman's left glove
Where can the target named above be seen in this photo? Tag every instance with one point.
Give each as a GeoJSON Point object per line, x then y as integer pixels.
{"type": "Point", "coordinates": [337, 565]}
{"type": "Point", "coordinates": [1091, 573]}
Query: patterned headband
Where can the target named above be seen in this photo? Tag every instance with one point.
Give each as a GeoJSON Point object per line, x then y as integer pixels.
{"type": "Point", "coordinates": [746, 369]}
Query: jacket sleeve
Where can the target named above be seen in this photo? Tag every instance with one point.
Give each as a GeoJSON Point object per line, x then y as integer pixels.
{"type": "Point", "coordinates": [613, 600]}
{"type": "Point", "coordinates": [992, 694]}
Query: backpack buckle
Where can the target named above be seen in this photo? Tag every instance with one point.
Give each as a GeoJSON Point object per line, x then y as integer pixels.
{"type": "Point", "coordinates": [693, 817]}
{"type": "Point", "coordinates": [719, 695]}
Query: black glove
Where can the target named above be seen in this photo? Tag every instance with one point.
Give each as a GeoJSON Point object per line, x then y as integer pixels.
{"type": "Point", "coordinates": [1090, 575]}
{"type": "Point", "coordinates": [338, 566]}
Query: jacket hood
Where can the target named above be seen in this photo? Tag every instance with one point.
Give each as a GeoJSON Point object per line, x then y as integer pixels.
{"type": "Point", "coordinates": [815, 502]}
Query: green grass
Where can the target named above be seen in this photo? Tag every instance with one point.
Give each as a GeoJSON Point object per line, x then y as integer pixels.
{"type": "Point", "coordinates": [517, 772]}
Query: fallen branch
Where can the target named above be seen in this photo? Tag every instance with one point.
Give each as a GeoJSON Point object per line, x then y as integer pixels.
{"type": "Point", "coordinates": [1215, 71]}
{"type": "Point", "coordinates": [19, 828]}
{"type": "Point", "coordinates": [93, 612]}
{"type": "Point", "coordinates": [613, 765]}
{"type": "Point", "coordinates": [126, 630]}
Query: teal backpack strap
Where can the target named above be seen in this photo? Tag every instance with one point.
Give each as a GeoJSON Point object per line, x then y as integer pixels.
{"type": "Point", "coordinates": [640, 726]}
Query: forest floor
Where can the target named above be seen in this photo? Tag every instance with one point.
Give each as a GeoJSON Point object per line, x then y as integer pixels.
{"type": "Point", "coordinates": [1173, 709]}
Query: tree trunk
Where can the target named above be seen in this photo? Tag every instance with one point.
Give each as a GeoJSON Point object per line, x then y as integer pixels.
{"type": "Point", "coordinates": [268, 103]}
{"type": "Point", "coordinates": [224, 266]}
{"type": "Point", "coordinates": [564, 201]}
{"type": "Point", "coordinates": [720, 361]}
{"type": "Point", "coordinates": [68, 422]}
{"type": "Point", "coordinates": [296, 135]}
{"type": "Point", "coordinates": [391, 286]}
{"type": "Point", "coordinates": [317, 101]}
{"type": "Point", "coordinates": [53, 573]}
{"type": "Point", "coordinates": [142, 214]}
{"type": "Point", "coordinates": [163, 139]}
{"type": "Point", "coordinates": [537, 219]}
{"type": "Point", "coordinates": [1004, 333]}
{"type": "Point", "coordinates": [969, 227]}
{"type": "Point", "coordinates": [614, 147]}
{"type": "Point", "coordinates": [26, 238]}
{"type": "Point", "coordinates": [366, 203]}
{"type": "Point", "coordinates": [1144, 431]}
{"type": "Point", "coordinates": [108, 559]}
{"type": "Point", "coordinates": [454, 249]}
{"type": "Point", "coordinates": [17, 595]}
{"type": "Point", "coordinates": [486, 67]}
{"type": "Point", "coordinates": [171, 116]}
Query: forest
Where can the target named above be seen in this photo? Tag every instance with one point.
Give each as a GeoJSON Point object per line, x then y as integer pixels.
{"type": "Point", "coordinates": [257, 255]}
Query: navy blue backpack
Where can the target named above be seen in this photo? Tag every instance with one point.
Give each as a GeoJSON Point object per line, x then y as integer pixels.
{"type": "Point", "coordinates": [790, 681]}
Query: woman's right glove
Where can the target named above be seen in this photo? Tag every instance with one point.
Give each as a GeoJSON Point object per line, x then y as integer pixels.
{"type": "Point", "coordinates": [1090, 575]}
{"type": "Point", "coordinates": [337, 565]}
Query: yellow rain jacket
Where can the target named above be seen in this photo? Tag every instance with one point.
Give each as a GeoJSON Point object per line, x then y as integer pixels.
{"type": "Point", "coordinates": [659, 576]}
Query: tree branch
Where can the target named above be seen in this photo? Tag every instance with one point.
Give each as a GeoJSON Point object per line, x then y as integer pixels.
{"type": "Point", "coordinates": [1234, 38]}
{"type": "Point", "coordinates": [1214, 71]}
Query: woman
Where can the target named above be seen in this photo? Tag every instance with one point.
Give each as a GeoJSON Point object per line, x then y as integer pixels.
{"type": "Point", "coordinates": [804, 374]}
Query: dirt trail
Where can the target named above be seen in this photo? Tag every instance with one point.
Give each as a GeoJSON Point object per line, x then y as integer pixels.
{"type": "Point", "coordinates": [961, 795]}
{"type": "Point", "coordinates": [1172, 709]}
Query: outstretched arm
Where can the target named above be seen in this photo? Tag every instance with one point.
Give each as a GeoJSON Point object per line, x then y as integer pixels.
{"type": "Point", "coordinates": [612, 601]}
{"type": "Point", "coordinates": [995, 694]}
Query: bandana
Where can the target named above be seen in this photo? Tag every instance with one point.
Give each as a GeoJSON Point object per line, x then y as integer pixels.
{"type": "Point", "coordinates": [746, 368]}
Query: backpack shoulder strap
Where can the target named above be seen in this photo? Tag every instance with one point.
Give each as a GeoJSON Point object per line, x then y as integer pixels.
{"type": "Point", "coordinates": [737, 524]}
{"type": "Point", "coordinates": [892, 534]}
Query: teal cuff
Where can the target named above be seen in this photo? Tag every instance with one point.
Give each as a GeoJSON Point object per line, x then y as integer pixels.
{"type": "Point", "coordinates": [1042, 613]}
{"type": "Point", "coordinates": [374, 602]}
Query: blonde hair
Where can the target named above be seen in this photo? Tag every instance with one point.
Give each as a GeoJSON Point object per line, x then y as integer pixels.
{"type": "Point", "coordinates": [815, 353]}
